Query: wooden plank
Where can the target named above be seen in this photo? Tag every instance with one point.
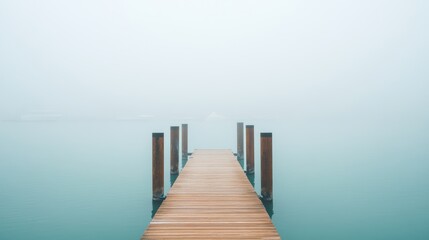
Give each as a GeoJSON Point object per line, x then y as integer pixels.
{"type": "Point", "coordinates": [211, 199]}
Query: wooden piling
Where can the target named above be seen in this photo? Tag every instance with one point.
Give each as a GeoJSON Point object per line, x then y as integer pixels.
{"type": "Point", "coordinates": [185, 140]}
{"type": "Point", "coordinates": [157, 166]}
{"type": "Point", "coordinates": [250, 149]}
{"type": "Point", "coordinates": [174, 150]}
{"type": "Point", "coordinates": [266, 166]}
{"type": "Point", "coordinates": [240, 140]}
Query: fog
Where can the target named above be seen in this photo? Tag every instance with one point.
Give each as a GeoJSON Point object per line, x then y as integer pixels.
{"type": "Point", "coordinates": [324, 60]}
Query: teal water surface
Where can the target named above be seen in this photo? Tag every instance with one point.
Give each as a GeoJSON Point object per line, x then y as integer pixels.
{"type": "Point", "coordinates": [92, 180]}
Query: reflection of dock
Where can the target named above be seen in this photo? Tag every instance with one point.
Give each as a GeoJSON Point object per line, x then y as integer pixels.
{"type": "Point", "coordinates": [211, 198]}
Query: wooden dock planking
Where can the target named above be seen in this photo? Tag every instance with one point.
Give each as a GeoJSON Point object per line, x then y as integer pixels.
{"type": "Point", "coordinates": [211, 199]}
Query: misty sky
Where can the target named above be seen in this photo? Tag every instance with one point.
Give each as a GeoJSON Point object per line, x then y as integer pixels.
{"type": "Point", "coordinates": [248, 59]}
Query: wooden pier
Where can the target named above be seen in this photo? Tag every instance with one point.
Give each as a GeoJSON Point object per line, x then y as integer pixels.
{"type": "Point", "coordinates": [211, 199]}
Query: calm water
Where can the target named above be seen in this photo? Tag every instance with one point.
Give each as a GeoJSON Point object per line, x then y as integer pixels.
{"type": "Point", "coordinates": [92, 180]}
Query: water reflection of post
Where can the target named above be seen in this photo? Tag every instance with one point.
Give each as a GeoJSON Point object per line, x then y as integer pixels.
{"type": "Point", "coordinates": [155, 206]}
{"type": "Point", "coordinates": [251, 177]}
{"type": "Point", "coordinates": [184, 161]}
{"type": "Point", "coordinates": [241, 161]}
{"type": "Point", "coordinates": [269, 206]}
{"type": "Point", "coordinates": [173, 178]}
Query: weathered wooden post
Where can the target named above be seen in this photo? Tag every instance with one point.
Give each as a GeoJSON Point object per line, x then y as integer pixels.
{"type": "Point", "coordinates": [157, 166]}
{"type": "Point", "coordinates": [174, 150]}
{"type": "Point", "coordinates": [250, 149]}
{"type": "Point", "coordinates": [184, 140]}
{"type": "Point", "coordinates": [240, 140]}
{"type": "Point", "coordinates": [266, 166]}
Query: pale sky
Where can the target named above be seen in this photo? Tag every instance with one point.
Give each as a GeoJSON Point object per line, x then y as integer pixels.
{"type": "Point", "coordinates": [181, 59]}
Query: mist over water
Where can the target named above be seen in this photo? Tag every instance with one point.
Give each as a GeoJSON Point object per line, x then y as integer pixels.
{"type": "Point", "coordinates": [342, 85]}
{"type": "Point", "coordinates": [240, 59]}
